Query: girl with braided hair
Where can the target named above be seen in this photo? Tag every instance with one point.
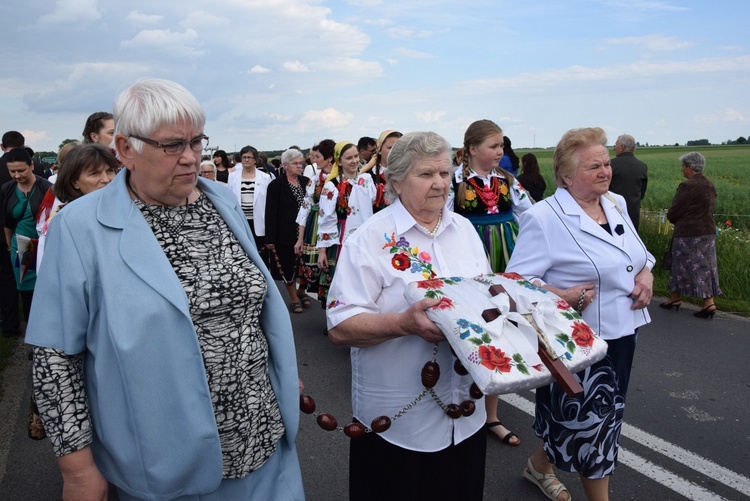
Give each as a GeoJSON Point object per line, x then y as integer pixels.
{"type": "Point", "coordinates": [379, 163]}
{"type": "Point", "coordinates": [491, 198]}
{"type": "Point", "coordinates": [345, 203]}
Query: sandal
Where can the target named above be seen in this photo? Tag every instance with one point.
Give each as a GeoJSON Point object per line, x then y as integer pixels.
{"type": "Point", "coordinates": [508, 436]}
{"type": "Point", "coordinates": [305, 300]}
{"type": "Point", "coordinates": [295, 307]}
{"type": "Point", "coordinates": [547, 482]}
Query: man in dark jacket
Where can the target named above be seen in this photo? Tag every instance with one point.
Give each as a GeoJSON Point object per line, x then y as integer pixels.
{"type": "Point", "coordinates": [629, 177]}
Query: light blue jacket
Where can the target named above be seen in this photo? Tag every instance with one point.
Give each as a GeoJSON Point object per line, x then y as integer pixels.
{"type": "Point", "coordinates": [107, 289]}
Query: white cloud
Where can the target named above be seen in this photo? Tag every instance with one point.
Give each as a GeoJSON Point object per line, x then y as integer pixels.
{"type": "Point", "coordinates": [257, 69]}
{"type": "Point", "coordinates": [656, 43]}
{"type": "Point", "coordinates": [166, 41]}
{"type": "Point", "coordinates": [411, 53]}
{"type": "Point", "coordinates": [728, 115]}
{"type": "Point", "coordinates": [327, 119]}
{"type": "Point", "coordinates": [141, 19]}
{"type": "Point", "coordinates": [644, 5]}
{"type": "Point", "coordinates": [68, 12]}
{"type": "Point", "coordinates": [407, 32]}
{"type": "Point", "coordinates": [430, 117]}
{"type": "Point", "coordinates": [295, 67]}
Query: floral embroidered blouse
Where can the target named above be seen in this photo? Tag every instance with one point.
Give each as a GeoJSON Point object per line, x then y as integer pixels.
{"type": "Point", "coordinates": [312, 197]}
{"type": "Point", "coordinates": [387, 252]}
{"type": "Point", "coordinates": [491, 194]}
{"type": "Point", "coordinates": [343, 207]}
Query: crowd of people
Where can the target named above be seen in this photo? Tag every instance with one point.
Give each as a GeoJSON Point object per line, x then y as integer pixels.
{"type": "Point", "coordinates": [138, 215]}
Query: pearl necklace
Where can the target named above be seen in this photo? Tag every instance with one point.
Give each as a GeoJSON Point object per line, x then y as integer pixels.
{"type": "Point", "coordinates": [433, 232]}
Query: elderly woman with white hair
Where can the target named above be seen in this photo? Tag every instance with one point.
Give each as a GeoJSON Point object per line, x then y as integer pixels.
{"type": "Point", "coordinates": [694, 270]}
{"type": "Point", "coordinates": [164, 362]}
{"type": "Point", "coordinates": [430, 452]}
{"type": "Point", "coordinates": [284, 197]}
{"type": "Point", "coordinates": [208, 170]}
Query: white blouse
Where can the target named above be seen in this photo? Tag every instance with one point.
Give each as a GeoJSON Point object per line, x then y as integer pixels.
{"type": "Point", "coordinates": [360, 209]}
{"type": "Point", "coordinates": [387, 252]}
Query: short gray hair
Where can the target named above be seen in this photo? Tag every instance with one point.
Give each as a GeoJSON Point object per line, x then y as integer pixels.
{"type": "Point", "coordinates": [290, 155]}
{"type": "Point", "coordinates": [209, 163]}
{"type": "Point", "coordinates": [626, 141]}
{"type": "Point", "coordinates": [694, 160]}
{"type": "Point", "coordinates": [151, 103]}
{"type": "Point", "coordinates": [407, 150]}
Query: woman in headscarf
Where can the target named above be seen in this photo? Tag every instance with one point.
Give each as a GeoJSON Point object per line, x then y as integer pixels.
{"type": "Point", "coordinates": [378, 165]}
{"type": "Point", "coordinates": [345, 203]}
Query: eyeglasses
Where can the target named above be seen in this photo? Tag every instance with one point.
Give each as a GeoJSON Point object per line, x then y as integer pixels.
{"type": "Point", "coordinates": [248, 158]}
{"type": "Point", "coordinates": [207, 172]}
{"type": "Point", "coordinates": [196, 144]}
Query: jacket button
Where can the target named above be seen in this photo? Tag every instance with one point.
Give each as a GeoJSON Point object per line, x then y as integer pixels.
{"type": "Point", "coordinates": [630, 268]}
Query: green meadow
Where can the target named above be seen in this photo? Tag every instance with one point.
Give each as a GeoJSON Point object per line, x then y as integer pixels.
{"type": "Point", "coordinates": [728, 167]}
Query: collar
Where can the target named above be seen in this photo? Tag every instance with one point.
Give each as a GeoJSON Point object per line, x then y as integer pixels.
{"type": "Point", "coordinates": [405, 221]}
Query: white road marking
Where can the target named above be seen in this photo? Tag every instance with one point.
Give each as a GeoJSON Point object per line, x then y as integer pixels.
{"type": "Point", "coordinates": [678, 484]}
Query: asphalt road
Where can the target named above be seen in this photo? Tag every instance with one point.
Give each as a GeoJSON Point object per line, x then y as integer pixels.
{"type": "Point", "coordinates": [686, 434]}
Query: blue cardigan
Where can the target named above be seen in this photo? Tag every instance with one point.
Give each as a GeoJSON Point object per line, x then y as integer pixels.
{"type": "Point", "coordinates": [106, 289]}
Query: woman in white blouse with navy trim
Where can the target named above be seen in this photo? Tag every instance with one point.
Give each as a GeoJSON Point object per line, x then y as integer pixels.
{"type": "Point", "coordinates": [581, 244]}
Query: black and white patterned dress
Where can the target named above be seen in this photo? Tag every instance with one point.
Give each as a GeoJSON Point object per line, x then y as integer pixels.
{"type": "Point", "coordinates": [225, 292]}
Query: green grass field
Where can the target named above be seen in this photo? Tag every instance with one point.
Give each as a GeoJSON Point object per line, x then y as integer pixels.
{"type": "Point", "coordinates": [728, 168]}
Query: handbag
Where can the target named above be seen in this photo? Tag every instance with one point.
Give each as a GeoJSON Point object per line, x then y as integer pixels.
{"type": "Point", "coordinates": [502, 355]}
{"type": "Point", "coordinates": [666, 259]}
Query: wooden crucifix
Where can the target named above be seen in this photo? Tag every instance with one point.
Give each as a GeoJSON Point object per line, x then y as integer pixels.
{"type": "Point", "coordinates": [545, 351]}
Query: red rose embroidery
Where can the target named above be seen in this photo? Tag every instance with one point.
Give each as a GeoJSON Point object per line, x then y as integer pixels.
{"type": "Point", "coordinates": [512, 276]}
{"type": "Point", "coordinates": [329, 195]}
{"type": "Point", "coordinates": [430, 284]}
{"type": "Point", "coordinates": [494, 359]}
{"type": "Point", "coordinates": [562, 304]}
{"type": "Point", "coordinates": [326, 236]}
{"type": "Point", "coordinates": [361, 181]}
{"type": "Point", "coordinates": [400, 261]}
{"type": "Point", "coordinates": [582, 334]}
{"type": "Point", "coordinates": [445, 303]}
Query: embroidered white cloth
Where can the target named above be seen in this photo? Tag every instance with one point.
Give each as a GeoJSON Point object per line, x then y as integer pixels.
{"type": "Point", "coordinates": [501, 355]}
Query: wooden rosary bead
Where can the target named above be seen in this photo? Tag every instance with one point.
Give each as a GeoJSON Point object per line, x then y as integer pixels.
{"type": "Point", "coordinates": [306, 404]}
{"type": "Point", "coordinates": [467, 408]}
{"type": "Point", "coordinates": [459, 368]}
{"type": "Point", "coordinates": [327, 422]}
{"type": "Point", "coordinates": [430, 374]}
{"type": "Point", "coordinates": [453, 411]}
{"type": "Point", "coordinates": [475, 392]}
{"type": "Point", "coordinates": [380, 424]}
{"type": "Point", "coordinates": [354, 430]}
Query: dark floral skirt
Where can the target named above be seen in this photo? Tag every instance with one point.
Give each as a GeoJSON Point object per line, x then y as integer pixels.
{"type": "Point", "coordinates": [582, 434]}
{"type": "Point", "coordinates": [694, 270]}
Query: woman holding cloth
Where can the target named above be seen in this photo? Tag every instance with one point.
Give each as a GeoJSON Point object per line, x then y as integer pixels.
{"type": "Point", "coordinates": [581, 245]}
{"type": "Point", "coordinates": [163, 361]}
{"type": "Point", "coordinates": [491, 199]}
{"type": "Point", "coordinates": [425, 454]}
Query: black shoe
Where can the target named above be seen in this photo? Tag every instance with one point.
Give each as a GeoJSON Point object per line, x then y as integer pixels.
{"type": "Point", "coordinates": [707, 312]}
{"type": "Point", "coordinates": [668, 305]}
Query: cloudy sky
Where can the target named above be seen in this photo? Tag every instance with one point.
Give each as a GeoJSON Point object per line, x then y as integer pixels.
{"type": "Point", "coordinates": [272, 73]}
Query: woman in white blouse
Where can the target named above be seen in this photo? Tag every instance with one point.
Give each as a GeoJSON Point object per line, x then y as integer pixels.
{"type": "Point", "coordinates": [345, 203]}
{"type": "Point", "coordinates": [581, 245]}
{"type": "Point", "coordinates": [249, 186]}
{"type": "Point", "coordinates": [425, 453]}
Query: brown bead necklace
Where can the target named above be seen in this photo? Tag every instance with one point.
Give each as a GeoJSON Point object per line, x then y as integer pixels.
{"type": "Point", "coordinates": [430, 375]}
